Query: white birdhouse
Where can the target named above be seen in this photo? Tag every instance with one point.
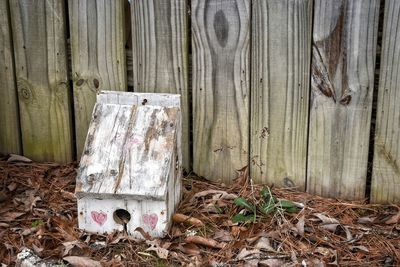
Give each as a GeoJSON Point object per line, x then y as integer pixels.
{"type": "Point", "coordinates": [130, 171]}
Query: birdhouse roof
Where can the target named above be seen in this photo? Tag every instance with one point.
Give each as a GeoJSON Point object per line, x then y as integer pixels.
{"type": "Point", "coordinates": [130, 147]}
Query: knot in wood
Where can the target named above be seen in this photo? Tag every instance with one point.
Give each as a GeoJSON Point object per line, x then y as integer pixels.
{"type": "Point", "coordinates": [80, 82]}
{"type": "Point", "coordinates": [61, 91]}
{"type": "Point", "coordinates": [95, 83]}
{"type": "Point", "coordinates": [221, 28]}
{"type": "Point", "coordinates": [345, 100]}
{"type": "Point", "coordinates": [24, 90]}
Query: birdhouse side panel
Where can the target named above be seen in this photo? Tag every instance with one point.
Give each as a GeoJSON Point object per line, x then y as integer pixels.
{"type": "Point", "coordinates": [178, 163]}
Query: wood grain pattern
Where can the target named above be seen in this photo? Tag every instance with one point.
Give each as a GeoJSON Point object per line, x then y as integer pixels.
{"type": "Point", "coordinates": [98, 56]}
{"type": "Point", "coordinates": [132, 161]}
{"type": "Point", "coordinates": [281, 45]}
{"type": "Point", "coordinates": [41, 70]}
{"type": "Point", "coordinates": [129, 151]}
{"type": "Point", "coordinates": [220, 43]}
{"type": "Point", "coordinates": [9, 117]}
{"type": "Point", "coordinates": [344, 45]}
{"type": "Point", "coordinates": [386, 163]}
{"type": "Point", "coordinates": [160, 54]}
{"type": "Point", "coordinates": [130, 147]}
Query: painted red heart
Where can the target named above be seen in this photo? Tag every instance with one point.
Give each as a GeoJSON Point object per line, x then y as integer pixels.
{"type": "Point", "coordinates": [150, 220]}
{"type": "Point", "coordinates": [99, 217]}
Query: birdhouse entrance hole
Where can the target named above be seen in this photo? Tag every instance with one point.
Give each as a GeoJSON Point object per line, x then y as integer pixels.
{"type": "Point", "coordinates": [121, 216]}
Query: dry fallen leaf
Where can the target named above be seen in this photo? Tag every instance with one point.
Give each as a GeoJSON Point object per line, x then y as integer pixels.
{"type": "Point", "coordinates": [161, 252]}
{"type": "Point", "coordinates": [37, 249]}
{"type": "Point", "coordinates": [181, 218]}
{"type": "Point", "coordinates": [245, 253]}
{"type": "Point", "coordinates": [5, 225]}
{"type": "Point", "coordinates": [68, 246]}
{"type": "Point", "coordinates": [366, 219]}
{"type": "Point", "coordinates": [362, 248]}
{"type": "Point", "coordinates": [223, 236]}
{"type": "Point", "coordinates": [325, 219]}
{"type": "Point", "coordinates": [29, 231]}
{"type": "Point", "coordinates": [328, 223]}
{"type": "Point", "coordinates": [300, 226]}
{"type": "Point", "coordinates": [77, 261]}
{"type": "Point", "coordinates": [271, 263]}
{"type": "Point", "coordinates": [68, 195]}
{"type": "Point", "coordinates": [11, 187]}
{"type": "Point", "coordinates": [263, 243]}
{"type": "Point", "coordinates": [323, 251]}
{"type": "Point", "coordinates": [10, 216]}
{"type": "Point", "coordinates": [203, 241]}
{"type": "Point", "coordinates": [190, 249]}
{"type": "Point", "coordinates": [18, 158]}
{"type": "Point", "coordinates": [314, 263]}
{"type": "Point", "coordinates": [330, 227]}
{"type": "Point", "coordinates": [146, 235]}
{"type": "Point", "coordinates": [394, 219]}
{"type": "Point", "coordinates": [221, 194]}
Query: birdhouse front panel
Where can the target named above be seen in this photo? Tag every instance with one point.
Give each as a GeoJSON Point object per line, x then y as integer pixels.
{"type": "Point", "coordinates": [129, 174]}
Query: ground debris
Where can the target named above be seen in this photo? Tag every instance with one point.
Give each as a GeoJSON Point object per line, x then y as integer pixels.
{"type": "Point", "coordinates": [38, 211]}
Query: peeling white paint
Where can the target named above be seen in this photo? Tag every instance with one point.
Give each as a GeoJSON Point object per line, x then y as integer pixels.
{"type": "Point", "coordinates": [131, 161]}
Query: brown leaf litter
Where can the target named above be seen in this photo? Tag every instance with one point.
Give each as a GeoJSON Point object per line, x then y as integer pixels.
{"type": "Point", "coordinates": [38, 211]}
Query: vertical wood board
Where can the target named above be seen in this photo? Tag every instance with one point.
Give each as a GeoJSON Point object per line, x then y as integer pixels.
{"type": "Point", "coordinates": [41, 70]}
{"type": "Point", "coordinates": [281, 45]}
{"type": "Point", "coordinates": [386, 163]}
{"type": "Point", "coordinates": [220, 43]}
{"type": "Point", "coordinates": [343, 62]}
{"type": "Point", "coordinates": [98, 56]}
{"type": "Point", "coordinates": [9, 119]}
{"type": "Point", "coordinates": [160, 54]}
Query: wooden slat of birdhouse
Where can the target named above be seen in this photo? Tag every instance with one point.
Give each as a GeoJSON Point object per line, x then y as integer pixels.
{"type": "Point", "coordinates": [148, 153]}
{"type": "Point", "coordinates": [129, 150]}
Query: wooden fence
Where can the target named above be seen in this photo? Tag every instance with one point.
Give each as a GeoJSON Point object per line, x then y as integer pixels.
{"type": "Point", "coordinates": [284, 86]}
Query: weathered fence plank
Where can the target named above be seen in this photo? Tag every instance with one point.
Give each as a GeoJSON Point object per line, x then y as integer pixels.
{"type": "Point", "coordinates": [344, 44]}
{"type": "Point", "coordinates": [386, 164]}
{"type": "Point", "coordinates": [220, 38]}
{"type": "Point", "coordinates": [41, 71]}
{"type": "Point", "coordinates": [98, 56]}
{"type": "Point", "coordinates": [160, 54]}
{"type": "Point", "coordinates": [281, 44]}
{"type": "Point", "coordinates": [9, 119]}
